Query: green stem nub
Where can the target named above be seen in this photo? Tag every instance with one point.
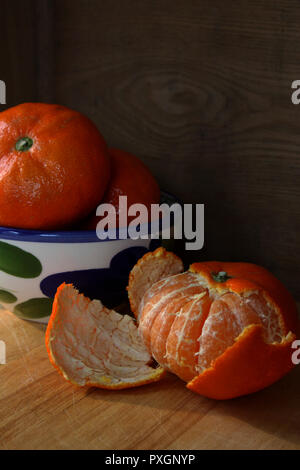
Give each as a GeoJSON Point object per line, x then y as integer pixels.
{"type": "Point", "coordinates": [24, 144]}
{"type": "Point", "coordinates": [221, 276]}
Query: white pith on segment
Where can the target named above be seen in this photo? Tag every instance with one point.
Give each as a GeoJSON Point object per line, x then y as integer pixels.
{"type": "Point", "coordinates": [142, 278]}
{"type": "Point", "coordinates": [94, 345]}
{"type": "Point", "coordinates": [160, 306]}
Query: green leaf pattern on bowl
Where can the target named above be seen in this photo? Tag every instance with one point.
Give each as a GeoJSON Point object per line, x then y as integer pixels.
{"type": "Point", "coordinates": [18, 262]}
{"type": "Point", "coordinates": [21, 263]}
{"type": "Point", "coordinates": [34, 308]}
{"type": "Point", "coordinates": [7, 297]}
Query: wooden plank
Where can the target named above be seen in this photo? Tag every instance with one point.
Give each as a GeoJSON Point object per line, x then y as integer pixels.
{"type": "Point", "coordinates": [201, 92]}
{"type": "Point", "coordinates": [39, 410]}
{"type": "Point", "coordinates": [17, 50]}
{"type": "Point", "coordinates": [27, 50]}
{"type": "Point", "coordinates": [45, 59]}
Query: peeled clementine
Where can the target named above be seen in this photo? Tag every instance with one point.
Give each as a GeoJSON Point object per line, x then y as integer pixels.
{"type": "Point", "coordinates": [225, 328]}
{"type": "Point", "coordinates": [54, 166]}
{"type": "Point", "coordinates": [131, 178]}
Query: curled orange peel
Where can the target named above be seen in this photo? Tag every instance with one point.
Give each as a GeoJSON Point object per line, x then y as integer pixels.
{"type": "Point", "coordinates": [91, 345]}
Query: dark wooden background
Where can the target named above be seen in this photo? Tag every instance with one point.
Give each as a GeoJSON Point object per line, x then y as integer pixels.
{"type": "Point", "coordinates": [199, 90]}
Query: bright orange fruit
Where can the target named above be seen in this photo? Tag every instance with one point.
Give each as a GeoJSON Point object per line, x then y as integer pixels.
{"type": "Point", "coordinates": [225, 328]}
{"type": "Point", "coordinates": [131, 178]}
{"type": "Point", "coordinates": [54, 166]}
{"type": "Point", "coordinates": [92, 346]}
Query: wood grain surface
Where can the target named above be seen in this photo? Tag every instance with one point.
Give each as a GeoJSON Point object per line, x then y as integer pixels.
{"type": "Point", "coordinates": [39, 410]}
{"type": "Point", "coordinates": [201, 92]}
{"type": "Point", "coordinates": [17, 50]}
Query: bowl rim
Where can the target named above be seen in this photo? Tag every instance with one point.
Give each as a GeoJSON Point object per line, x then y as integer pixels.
{"type": "Point", "coordinates": [68, 236]}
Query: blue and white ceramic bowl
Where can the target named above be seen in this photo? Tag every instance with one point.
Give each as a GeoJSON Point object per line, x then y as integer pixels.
{"type": "Point", "coordinates": [34, 263]}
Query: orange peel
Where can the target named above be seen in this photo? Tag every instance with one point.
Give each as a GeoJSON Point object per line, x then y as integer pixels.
{"type": "Point", "coordinates": [91, 345]}
{"type": "Point", "coordinates": [247, 366]}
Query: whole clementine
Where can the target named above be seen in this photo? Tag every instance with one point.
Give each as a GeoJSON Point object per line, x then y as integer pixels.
{"type": "Point", "coordinates": [131, 178]}
{"type": "Point", "coordinates": [54, 166]}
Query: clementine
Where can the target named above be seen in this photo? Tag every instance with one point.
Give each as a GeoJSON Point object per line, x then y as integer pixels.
{"type": "Point", "coordinates": [225, 328]}
{"type": "Point", "coordinates": [131, 178]}
{"type": "Point", "coordinates": [54, 166]}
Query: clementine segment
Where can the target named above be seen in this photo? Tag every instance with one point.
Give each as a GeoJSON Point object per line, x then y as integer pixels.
{"type": "Point", "coordinates": [54, 166]}
{"type": "Point", "coordinates": [182, 344]}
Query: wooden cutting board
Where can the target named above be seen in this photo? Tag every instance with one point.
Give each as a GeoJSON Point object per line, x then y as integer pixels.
{"type": "Point", "coordinates": [39, 410]}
